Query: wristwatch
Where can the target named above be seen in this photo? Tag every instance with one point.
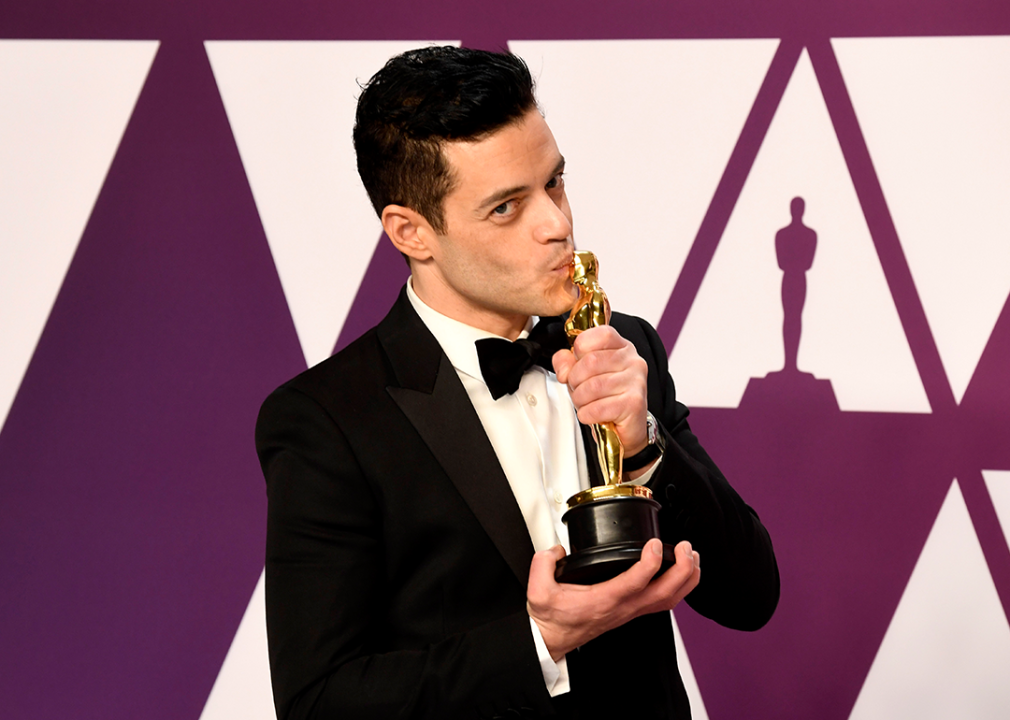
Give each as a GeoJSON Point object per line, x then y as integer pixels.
{"type": "Point", "coordinates": [651, 452]}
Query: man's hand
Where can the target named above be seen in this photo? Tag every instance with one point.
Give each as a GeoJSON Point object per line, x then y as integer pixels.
{"type": "Point", "coordinates": [607, 382]}
{"type": "Point", "coordinates": [571, 615]}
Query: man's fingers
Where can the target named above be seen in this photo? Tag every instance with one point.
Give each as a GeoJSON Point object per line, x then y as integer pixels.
{"type": "Point", "coordinates": [563, 361]}
{"type": "Point", "coordinates": [615, 409]}
{"type": "Point", "coordinates": [674, 576]}
{"type": "Point", "coordinates": [607, 381]}
{"type": "Point", "coordinates": [637, 578]}
{"type": "Point", "coordinates": [619, 362]}
{"type": "Point", "coordinates": [546, 559]}
{"type": "Point", "coordinates": [690, 584]}
{"type": "Point", "coordinates": [688, 560]}
{"type": "Point", "coordinates": [598, 338]}
{"type": "Point", "coordinates": [542, 573]}
{"type": "Point", "coordinates": [677, 582]}
{"type": "Point", "coordinates": [684, 550]}
{"type": "Point", "coordinates": [599, 353]}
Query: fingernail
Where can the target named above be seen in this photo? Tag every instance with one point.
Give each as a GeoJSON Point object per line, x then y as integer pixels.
{"type": "Point", "coordinates": [657, 547]}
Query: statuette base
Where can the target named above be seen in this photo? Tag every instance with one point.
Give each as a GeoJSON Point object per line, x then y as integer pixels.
{"type": "Point", "coordinates": [607, 535]}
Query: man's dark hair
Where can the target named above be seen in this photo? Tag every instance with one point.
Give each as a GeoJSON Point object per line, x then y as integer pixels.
{"type": "Point", "coordinates": [418, 101]}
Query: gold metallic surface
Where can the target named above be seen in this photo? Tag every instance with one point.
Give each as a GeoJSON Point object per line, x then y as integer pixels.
{"type": "Point", "coordinates": [591, 310]}
{"type": "Point", "coordinates": [607, 492]}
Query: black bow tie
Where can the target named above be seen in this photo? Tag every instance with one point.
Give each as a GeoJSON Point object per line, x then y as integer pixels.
{"type": "Point", "coordinates": [502, 363]}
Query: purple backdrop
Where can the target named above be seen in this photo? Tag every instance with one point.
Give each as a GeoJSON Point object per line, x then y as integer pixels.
{"type": "Point", "coordinates": [131, 503]}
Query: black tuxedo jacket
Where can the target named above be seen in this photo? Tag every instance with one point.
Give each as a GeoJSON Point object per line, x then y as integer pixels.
{"type": "Point", "coordinates": [397, 557]}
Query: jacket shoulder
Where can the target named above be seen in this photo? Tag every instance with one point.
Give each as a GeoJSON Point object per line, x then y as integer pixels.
{"type": "Point", "coordinates": [361, 364]}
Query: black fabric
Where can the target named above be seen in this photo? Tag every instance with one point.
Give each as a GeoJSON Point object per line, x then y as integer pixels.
{"type": "Point", "coordinates": [502, 363]}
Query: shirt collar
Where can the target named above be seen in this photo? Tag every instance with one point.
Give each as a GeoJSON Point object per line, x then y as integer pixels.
{"type": "Point", "coordinates": [456, 338]}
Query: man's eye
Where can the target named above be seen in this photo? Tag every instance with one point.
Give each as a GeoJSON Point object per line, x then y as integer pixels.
{"type": "Point", "coordinates": [557, 181]}
{"type": "Point", "coordinates": [504, 208]}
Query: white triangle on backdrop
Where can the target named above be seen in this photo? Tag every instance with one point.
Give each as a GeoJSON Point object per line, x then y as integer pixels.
{"type": "Point", "coordinates": [935, 112]}
{"type": "Point", "coordinates": [242, 689]}
{"type": "Point", "coordinates": [698, 711]}
{"type": "Point", "coordinates": [946, 653]}
{"type": "Point", "coordinates": [851, 331]}
{"type": "Point", "coordinates": [291, 109]}
{"type": "Point", "coordinates": [998, 484]}
{"type": "Point", "coordinates": [64, 106]}
{"type": "Point", "coordinates": [647, 128]}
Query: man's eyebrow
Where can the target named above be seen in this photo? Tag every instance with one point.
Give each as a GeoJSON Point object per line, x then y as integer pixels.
{"type": "Point", "coordinates": [498, 197]}
{"type": "Point", "coordinates": [501, 195]}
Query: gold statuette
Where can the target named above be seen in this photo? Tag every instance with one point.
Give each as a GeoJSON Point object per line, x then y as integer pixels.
{"type": "Point", "coordinates": [592, 309]}
{"type": "Point", "coordinates": [608, 525]}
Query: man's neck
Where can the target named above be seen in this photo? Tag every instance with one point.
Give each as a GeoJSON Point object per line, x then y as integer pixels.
{"type": "Point", "coordinates": [447, 303]}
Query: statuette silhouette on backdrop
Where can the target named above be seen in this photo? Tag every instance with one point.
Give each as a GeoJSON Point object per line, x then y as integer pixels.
{"type": "Point", "coordinates": [795, 247]}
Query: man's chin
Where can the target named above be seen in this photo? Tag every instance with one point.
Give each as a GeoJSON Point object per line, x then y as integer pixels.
{"type": "Point", "coordinates": [562, 302]}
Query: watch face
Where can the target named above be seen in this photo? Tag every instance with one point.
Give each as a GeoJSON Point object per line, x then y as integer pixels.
{"type": "Point", "coordinates": [652, 431]}
{"type": "Point", "coordinates": [655, 436]}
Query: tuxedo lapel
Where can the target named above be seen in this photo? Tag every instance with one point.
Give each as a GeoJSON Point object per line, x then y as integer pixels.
{"type": "Point", "coordinates": [434, 400]}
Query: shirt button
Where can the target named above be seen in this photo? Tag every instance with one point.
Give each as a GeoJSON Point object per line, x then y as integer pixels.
{"type": "Point", "coordinates": [531, 399]}
{"type": "Point", "coordinates": [558, 497]}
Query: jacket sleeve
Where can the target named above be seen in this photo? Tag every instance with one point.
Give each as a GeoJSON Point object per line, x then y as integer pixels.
{"type": "Point", "coordinates": [739, 585]}
{"type": "Point", "coordinates": [330, 652]}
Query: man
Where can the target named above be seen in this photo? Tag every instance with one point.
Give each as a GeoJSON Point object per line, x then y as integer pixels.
{"type": "Point", "coordinates": [406, 502]}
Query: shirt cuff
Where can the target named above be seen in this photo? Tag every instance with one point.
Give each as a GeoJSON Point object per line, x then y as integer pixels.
{"type": "Point", "coordinates": [555, 673]}
{"type": "Point", "coordinates": [647, 475]}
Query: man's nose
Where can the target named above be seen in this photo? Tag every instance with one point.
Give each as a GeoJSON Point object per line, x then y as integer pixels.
{"type": "Point", "coordinates": [552, 222]}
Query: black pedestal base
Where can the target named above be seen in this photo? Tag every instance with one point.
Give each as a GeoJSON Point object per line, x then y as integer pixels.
{"type": "Point", "coordinates": [607, 536]}
{"type": "Point", "coordinates": [603, 562]}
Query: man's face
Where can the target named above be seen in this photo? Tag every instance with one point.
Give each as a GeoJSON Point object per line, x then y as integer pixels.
{"type": "Point", "coordinates": [508, 242]}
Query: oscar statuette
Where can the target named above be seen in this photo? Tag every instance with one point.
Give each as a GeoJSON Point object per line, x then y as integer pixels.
{"type": "Point", "coordinates": [609, 524]}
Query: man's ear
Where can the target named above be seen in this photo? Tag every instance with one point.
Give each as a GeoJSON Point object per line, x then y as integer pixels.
{"type": "Point", "coordinates": [408, 230]}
